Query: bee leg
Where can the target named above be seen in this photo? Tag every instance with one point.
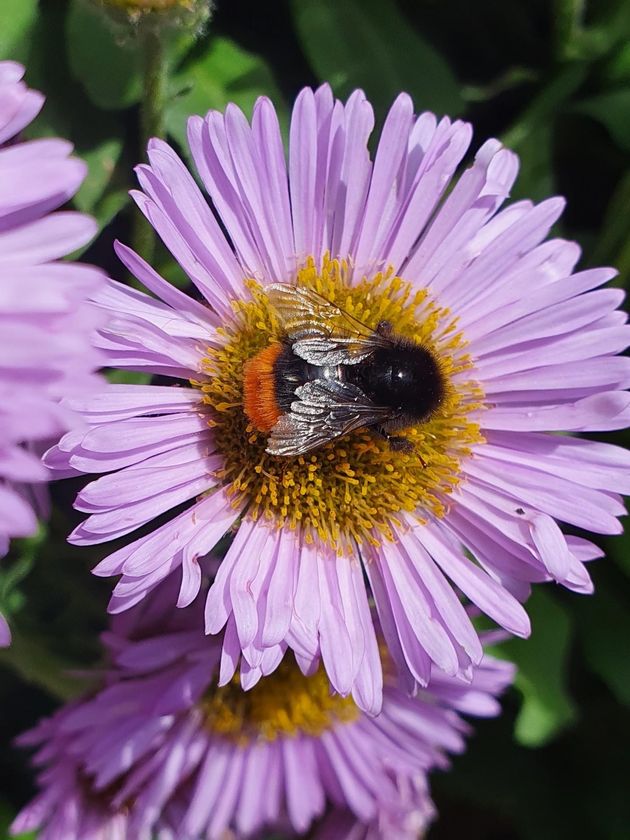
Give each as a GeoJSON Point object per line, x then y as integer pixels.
{"type": "Point", "coordinates": [384, 328]}
{"type": "Point", "coordinates": [397, 443]}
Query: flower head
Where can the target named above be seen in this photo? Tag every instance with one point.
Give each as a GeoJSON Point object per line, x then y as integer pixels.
{"type": "Point", "coordinates": [45, 318]}
{"type": "Point", "coordinates": [161, 748]}
{"type": "Point", "coordinates": [278, 435]}
{"type": "Point", "coordinates": [158, 15]}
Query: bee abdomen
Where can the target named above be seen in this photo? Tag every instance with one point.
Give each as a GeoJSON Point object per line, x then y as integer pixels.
{"type": "Point", "coordinates": [260, 402]}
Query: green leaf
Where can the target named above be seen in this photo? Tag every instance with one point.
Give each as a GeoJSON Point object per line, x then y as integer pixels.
{"type": "Point", "coordinates": [101, 161]}
{"type": "Point", "coordinates": [35, 663]}
{"type": "Point", "coordinates": [612, 110]}
{"type": "Point", "coordinates": [110, 205]}
{"type": "Point", "coordinates": [23, 555]}
{"type": "Point", "coordinates": [613, 248]}
{"type": "Point", "coordinates": [17, 17]}
{"type": "Point", "coordinates": [369, 44]}
{"type": "Point", "coordinates": [108, 69]}
{"type": "Point", "coordinates": [69, 113]}
{"type": "Point", "coordinates": [547, 707]}
{"type": "Point", "coordinates": [219, 73]}
{"type": "Point", "coordinates": [604, 626]}
{"type": "Point", "coordinates": [118, 376]}
{"type": "Point", "coordinates": [536, 173]}
{"type": "Point", "coordinates": [544, 108]}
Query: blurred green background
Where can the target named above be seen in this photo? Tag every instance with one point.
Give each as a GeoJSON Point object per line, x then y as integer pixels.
{"type": "Point", "coordinates": [552, 79]}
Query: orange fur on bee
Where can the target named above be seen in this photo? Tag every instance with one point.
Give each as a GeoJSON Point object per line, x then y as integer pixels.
{"type": "Point", "coordinates": [259, 391]}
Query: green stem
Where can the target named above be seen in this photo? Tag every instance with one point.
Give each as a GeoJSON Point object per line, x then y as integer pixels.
{"type": "Point", "coordinates": [546, 104]}
{"type": "Point", "coordinates": [568, 17]}
{"type": "Point", "coordinates": [155, 79]}
{"type": "Point", "coordinates": [613, 246]}
{"type": "Point", "coordinates": [35, 664]}
{"type": "Point", "coordinates": [154, 92]}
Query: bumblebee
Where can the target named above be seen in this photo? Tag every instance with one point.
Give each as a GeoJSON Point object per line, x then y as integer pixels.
{"type": "Point", "coordinates": [329, 374]}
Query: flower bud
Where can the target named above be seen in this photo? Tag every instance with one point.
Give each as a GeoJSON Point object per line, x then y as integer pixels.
{"type": "Point", "coordinates": [190, 15]}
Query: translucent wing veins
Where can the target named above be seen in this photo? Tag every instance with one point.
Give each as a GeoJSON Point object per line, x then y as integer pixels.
{"type": "Point", "coordinates": [325, 409]}
{"type": "Point", "coordinates": [321, 332]}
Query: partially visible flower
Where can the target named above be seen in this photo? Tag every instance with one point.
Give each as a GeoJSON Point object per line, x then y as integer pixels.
{"type": "Point", "coordinates": [521, 348]}
{"type": "Point", "coordinates": [160, 748]}
{"type": "Point", "coordinates": [45, 319]}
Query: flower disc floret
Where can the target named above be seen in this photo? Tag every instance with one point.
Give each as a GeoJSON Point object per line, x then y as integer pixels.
{"type": "Point", "coordinates": [285, 704]}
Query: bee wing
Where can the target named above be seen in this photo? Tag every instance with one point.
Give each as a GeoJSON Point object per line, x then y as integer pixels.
{"type": "Point", "coordinates": [325, 409]}
{"type": "Point", "coordinates": [321, 332]}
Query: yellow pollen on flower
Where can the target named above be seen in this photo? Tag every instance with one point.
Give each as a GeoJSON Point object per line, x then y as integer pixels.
{"type": "Point", "coordinates": [286, 703]}
{"type": "Point", "coordinates": [355, 488]}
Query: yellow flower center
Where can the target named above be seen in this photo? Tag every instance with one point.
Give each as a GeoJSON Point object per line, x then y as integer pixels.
{"type": "Point", "coordinates": [286, 703]}
{"type": "Point", "coordinates": [353, 488]}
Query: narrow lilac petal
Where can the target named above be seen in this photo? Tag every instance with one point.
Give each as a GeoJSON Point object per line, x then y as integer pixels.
{"type": "Point", "coordinates": [304, 792]}
{"type": "Point", "coordinates": [419, 611]}
{"type": "Point", "coordinates": [17, 517]}
{"type": "Point", "coordinates": [381, 200]}
{"type": "Point", "coordinates": [527, 228]}
{"type": "Point", "coordinates": [207, 789]}
{"type": "Point", "coordinates": [354, 176]}
{"type": "Point", "coordinates": [258, 551]}
{"type": "Point", "coordinates": [45, 239]}
{"type": "Point", "coordinates": [225, 270]}
{"type": "Point", "coordinates": [30, 104]}
{"type": "Point", "coordinates": [219, 603]}
{"type": "Point", "coordinates": [252, 191]}
{"type": "Point", "coordinates": [574, 347]}
{"type": "Point", "coordinates": [481, 589]}
{"type": "Point", "coordinates": [122, 402]}
{"type": "Point", "coordinates": [600, 413]}
{"type": "Point", "coordinates": [307, 604]}
{"type": "Point", "coordinates": [303, 172]}
{"type": "Point", "coordinates": [550, 542]}
{"type": "Point", "coordinates": [334, 638]}
{"type": "Point", "coordinates": [414, 655]}
{"type": "Point", "coordinates": [558, 319]}
{"type": "Point", "coordinates": [354, 792]}
{"type": "Point", "coordinates": [249, 814]}
{"type": "Point", "coordinates": [208, 144]}
{"type": "Point", "coordinates": [387, 621]}
{"type": "Point", "coordinates": [5, 632]}
{"type": "Point", "coordinates": [250, 675]}
{"type": "Point", "coordinates": [434, 153]}
{"type": "Point", "coordinates": [368, 685]}
{"type": "Point", "coordinates": [597, 510]}
{"type": "Point", "coordinates": [280, 592]}
{"type": "Point", "coordinates": [551, 261]}
{"type": "Point", "coordinates": [225, 802]}
{"type": "Point", "coordinates": [475, 197]}
{"type": "Point", "coordinates": [267, 137]}
{"type": "Point", "coordinates": [596, 465]}
{"type": "Point", "coordinates": [230, 653]}
{"type": "Point", "coordinates": [446, 601]}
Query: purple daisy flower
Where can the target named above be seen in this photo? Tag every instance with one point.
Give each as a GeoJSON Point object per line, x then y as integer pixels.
{"type": "Point", "coordinates": [299, 269]}
{"type": "Point", "coordinates": [45, 319]}
{"type": "Point", "coordinates": [160, 748]}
